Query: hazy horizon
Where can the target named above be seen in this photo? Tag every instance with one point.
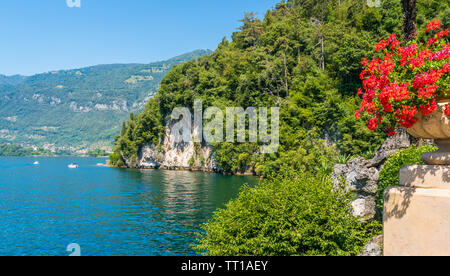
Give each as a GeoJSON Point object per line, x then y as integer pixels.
{"type": "Point", "coordinates": [103, 64]}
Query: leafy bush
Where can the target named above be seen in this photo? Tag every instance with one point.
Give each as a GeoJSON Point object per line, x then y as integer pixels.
{"type": "Point", "coordinates": [287, 216]}
{"type": "Point", "coordinates": [192, 162]}
{"type": "Point", "coordinates": [389, 175]}
{"type": "Point", "coordinates": [115, 159]}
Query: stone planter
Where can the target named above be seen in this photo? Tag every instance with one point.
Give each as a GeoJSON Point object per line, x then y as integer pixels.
{"type": "Point", "coordinates": [435, 126]}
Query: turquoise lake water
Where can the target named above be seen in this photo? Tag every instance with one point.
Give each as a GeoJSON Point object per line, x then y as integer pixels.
{"type": "Point", "coordinates": [112, 212]}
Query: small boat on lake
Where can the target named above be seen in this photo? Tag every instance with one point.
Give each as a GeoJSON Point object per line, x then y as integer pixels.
{"type": "Point", "coordinates": [36, 163]}
{"type": "Point", "coordinates": [73, 166]}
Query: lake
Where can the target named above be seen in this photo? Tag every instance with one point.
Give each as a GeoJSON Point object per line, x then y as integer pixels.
{"type": "Point", "coordinates": [106, 211]}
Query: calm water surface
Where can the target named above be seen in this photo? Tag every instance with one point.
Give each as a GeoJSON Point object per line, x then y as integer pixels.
{"type": "Point", "coordinates": [106, 211]}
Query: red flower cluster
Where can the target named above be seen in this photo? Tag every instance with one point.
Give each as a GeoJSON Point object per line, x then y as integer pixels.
{"type": "Point", "coordinates": [390, 131]}
{"type": "Point", "coordinates": [385, 43]}
{"type": "Point", "coordinates": [405, 80]}
{"type": "Point", "coordinates": [406, 116]}
{"type": "Point", "coordinates": [434, 25]}
{"type": "Point", "coordinates": [428, 109]}
{"type": "Point", "coordinates": [447, 110]}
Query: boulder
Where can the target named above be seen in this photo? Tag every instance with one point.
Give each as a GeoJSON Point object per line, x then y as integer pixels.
{"type": "Point", "coordinates": [374, 248]}
{"type": "Point", "coordinates": [402, 140]}
{"type": "Point", "coordinates": [361, 176]}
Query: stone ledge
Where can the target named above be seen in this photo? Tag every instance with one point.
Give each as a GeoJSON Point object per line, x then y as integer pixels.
{"type": "Point", "coordinates": [417, 222]}
{"type": "Point", "coordinates": [436, 158]}
{"type": "Point", "coordinates": [425, 176]}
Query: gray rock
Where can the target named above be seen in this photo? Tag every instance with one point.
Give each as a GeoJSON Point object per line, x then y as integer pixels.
{"type": "Point", "coordinates": [361, 175]}
{"type": "Point", "coordinates": [402, 140]}
{"type": "Point", "coordinates": [374, 248]}
{"type": "Point", "coordinates": [364, 207]}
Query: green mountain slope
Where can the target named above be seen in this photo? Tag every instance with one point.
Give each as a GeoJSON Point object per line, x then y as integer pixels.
{"type": "Point", "coordinates": [11, 80]}
{"type": "Point", "coordinates": [80, 108]}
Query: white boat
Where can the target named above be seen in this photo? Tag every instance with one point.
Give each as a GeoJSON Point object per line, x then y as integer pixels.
{"type": "Point", "coordinates": [73, 166]}
{"type": "Point", "coordinates": [36, 163]}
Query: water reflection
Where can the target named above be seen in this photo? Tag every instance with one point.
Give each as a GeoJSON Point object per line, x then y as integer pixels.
{"type": "Point", "coordinates": [168, 206]}
{"type": "Point", "coordinates": [107, 211]}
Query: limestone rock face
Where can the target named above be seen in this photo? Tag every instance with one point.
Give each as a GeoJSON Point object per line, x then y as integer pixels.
{"type": "Point", "coordinates": [173, 155]}
{"type": "Point", "coordinates": [361, 175]}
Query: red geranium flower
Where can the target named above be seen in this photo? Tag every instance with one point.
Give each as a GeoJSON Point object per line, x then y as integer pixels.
{"type": "Point", "coordinates": [403, 80]}
{"type": "Point", "coordinates": [434, 25]}
{"type": "Point", "coordinates": [447, 110]}
{"type": "Point", "coordinates": [390, 131]}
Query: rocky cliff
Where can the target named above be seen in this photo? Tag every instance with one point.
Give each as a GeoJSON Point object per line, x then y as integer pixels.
{"type": "Point", "coordinates": [171, 155]}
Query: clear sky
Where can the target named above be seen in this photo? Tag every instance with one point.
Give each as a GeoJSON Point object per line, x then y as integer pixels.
{"type": "Point", "coordinates": [44, 35]}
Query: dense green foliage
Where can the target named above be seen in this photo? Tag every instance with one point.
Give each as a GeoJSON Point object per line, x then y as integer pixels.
{"type": "Point", "coordinates": [16, 150]}
{"type": "Point", "coordinates": [287, 216]}
{"type": "Point", "coordinates": [116, 160]}
{"type": "Point", "coordinates": [97, 153]}
{"type": "Point", "coordinates": [280, 61]}
{"type": "Point", "coordinates": [389, 175]}
{"type": "Point", "coordinates": [81, 108]}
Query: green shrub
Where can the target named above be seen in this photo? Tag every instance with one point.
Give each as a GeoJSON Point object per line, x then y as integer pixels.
{"type": "Point", "coordinates": [389, 175]}
{"type": "Point", "coordinates": [97, 153]}
{"type": "Point", "coordinates": [192, 162]}
{"type": "Point", "coordinates": [289, 216]}
{"type": "Point", "coordinates": [115, 159]}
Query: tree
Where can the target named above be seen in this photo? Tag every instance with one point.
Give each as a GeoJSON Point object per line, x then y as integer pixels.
{"type": "Point", "coordinates": [409, 19]}
{"type": "Point", "coordinates": [124, 128]}
{"type": "Point", "coordinates": [316, 22]}
{"type": "Point", "coordinates": [250, 31]}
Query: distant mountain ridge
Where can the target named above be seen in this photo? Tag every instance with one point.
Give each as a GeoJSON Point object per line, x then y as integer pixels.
{"type": "Point", "coordinates": [78, 109]}
{"type": "Point", "coordinates": [11, 80]}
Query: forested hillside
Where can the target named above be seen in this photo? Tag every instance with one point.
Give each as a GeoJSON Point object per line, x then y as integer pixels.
{"type": "Point", "coordinates": [16, 150]}
{"type": "Point", "coordinates": [78, 109]}
{"type": "Point", "coordinates": [304, 56]}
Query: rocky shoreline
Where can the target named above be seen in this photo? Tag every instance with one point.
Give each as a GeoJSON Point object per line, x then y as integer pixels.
{"type": "Point", "coordinates": [181, 169]}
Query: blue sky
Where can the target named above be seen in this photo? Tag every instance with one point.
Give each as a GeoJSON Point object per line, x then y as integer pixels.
{"type": "Point", "coordinates": [45, 35]}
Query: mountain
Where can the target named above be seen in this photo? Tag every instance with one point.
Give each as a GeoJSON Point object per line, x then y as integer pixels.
{"type": "Point", "coordinates": [11, 80]}
{"type": "Point", "coordinates": [81, 108]}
